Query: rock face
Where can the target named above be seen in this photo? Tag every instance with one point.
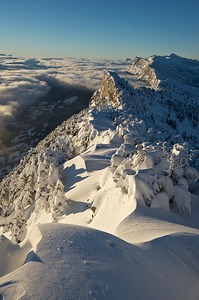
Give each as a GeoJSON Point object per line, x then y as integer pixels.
{"type": "Point", "coordinates": [110, 92]}
{"type": "Point", "coordinates": [144, 70]}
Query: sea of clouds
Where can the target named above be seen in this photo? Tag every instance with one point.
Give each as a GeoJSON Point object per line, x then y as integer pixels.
{"type": "Point", "coordinates": [25, 80]}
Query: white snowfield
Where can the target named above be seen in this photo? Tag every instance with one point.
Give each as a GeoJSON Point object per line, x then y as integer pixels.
{"type": "Point", "coordinates": [107, 205]}
{"type": "Point", "coordinates": [72, 262]}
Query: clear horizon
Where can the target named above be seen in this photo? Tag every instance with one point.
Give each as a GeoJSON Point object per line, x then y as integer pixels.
{"type": "Point", "coordinates": [112, 29]}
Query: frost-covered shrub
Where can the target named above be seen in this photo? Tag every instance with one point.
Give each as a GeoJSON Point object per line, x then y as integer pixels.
{"type": "Point", "coordinates": [182, 199]}
{"type": "Point", "coordinates": [58, 201]}
{"type": "Point", "coordinates": [178, 160]}
{"type": "Point", "coordinates": [145, 176]}
{"type": "Point", "coordinates": [166, 185]}
{"type": "Point", "coordinates": [191, 174]}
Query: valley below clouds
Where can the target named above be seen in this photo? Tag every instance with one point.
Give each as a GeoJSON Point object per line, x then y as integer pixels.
{"type": "Point", "coordinates": [33, 98]}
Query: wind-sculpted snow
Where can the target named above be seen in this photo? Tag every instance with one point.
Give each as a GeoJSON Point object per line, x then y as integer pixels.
{"type": "Point", "coordinates": [144, 166]}
{"type": "Point", "coordinates": [73, 262]}
{"type": "Point", "coordinates": [121, 167]}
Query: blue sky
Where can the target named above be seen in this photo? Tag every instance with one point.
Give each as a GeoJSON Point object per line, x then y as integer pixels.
{"type": "Point", "coordinates": [99, 29]}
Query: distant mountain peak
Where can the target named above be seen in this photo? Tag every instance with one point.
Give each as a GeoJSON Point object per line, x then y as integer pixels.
{"type": "Point", "coordinates": [159, 69]}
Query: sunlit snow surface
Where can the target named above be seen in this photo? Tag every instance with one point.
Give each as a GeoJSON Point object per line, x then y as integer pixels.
{"type": "Point", "coordinates": [33, 98]}
{"type": "Point", "coordinates": [103, 206]}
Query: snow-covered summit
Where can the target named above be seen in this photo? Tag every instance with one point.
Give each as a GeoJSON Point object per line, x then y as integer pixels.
{"type": "Point", "coordinates": [157, 108]}
{"type": "Point", "coordinates": [156, 69]}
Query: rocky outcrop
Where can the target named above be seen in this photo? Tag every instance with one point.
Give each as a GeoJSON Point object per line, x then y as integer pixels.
{"type": "Point", "coordinates": [110, 92]}
{"type": "Point", "coordinates": [143, 69]}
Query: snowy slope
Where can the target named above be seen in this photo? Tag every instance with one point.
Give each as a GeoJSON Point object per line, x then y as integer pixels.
{"type": "Point", "coordinates": [70, 262]}
{"type": "Point", "coordinates": [106, 206]}
{"type": "Point", "coordinates": [156, 69]}
{"type": "Point", "coordinates": [35, 97]}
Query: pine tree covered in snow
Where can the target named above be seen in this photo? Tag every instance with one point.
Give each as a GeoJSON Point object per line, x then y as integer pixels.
{"type": "Point", "coordinates": [37, 180]}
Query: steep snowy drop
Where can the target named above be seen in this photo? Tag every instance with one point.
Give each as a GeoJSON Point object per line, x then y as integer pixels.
{"type": "Point", "coordinates": [128, 166]}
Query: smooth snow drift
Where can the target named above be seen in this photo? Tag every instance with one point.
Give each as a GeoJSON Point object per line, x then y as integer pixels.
{"type": "Point", "coordinates": [70, 262]}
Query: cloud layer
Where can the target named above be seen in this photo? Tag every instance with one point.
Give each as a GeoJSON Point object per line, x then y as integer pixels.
{"type": "Point", "coordinates": [25, 81]}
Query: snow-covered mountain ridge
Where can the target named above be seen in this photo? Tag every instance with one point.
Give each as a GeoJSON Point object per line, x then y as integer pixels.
{"type": "Point", "coordinates": [38, 94]}
{"type": "Point", "coordinates": [127, 165]}
{"type": "Point", "coordinates": [117, 112]}
{"type": "Point", "coordinates": [159, 69]}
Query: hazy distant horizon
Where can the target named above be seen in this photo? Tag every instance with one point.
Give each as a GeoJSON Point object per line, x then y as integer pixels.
{"type": "Point", "coordinates": [94, 58]}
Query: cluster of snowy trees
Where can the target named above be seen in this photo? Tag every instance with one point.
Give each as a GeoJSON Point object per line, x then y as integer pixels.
{"type": "Point", "coordinates": [156, 169]}
{"type": "Point", "coordinates": [36, 184]}
{"type": "Point", "coordinates": [151, 174]}
{"type": "Point", "coordinates": [175, 94]}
